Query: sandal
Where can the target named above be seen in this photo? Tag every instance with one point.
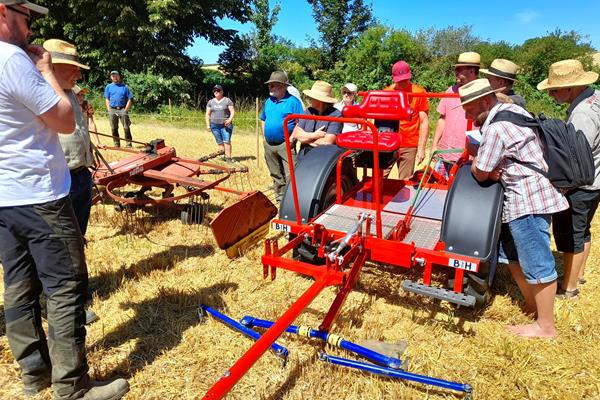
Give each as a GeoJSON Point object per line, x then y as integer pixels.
{"type": "Point", "coordinates": [567, 294]}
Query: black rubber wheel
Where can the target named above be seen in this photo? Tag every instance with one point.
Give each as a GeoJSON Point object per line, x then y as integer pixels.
{"type": "Point", "coordinates": [306, 252]}
{"type": "Point", "coordinates": [478, 285]}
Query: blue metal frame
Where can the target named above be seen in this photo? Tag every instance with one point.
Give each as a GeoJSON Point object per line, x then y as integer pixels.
{"type": "Point", "coordinates": [203, 310]}
{"type": "Point", "coordinates": [398, 374]}
{"type": "Point", "coordinates": [330, 338]}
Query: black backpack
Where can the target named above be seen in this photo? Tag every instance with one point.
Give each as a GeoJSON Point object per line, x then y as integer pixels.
{"type": "Point", "coordinates": [566, 149]}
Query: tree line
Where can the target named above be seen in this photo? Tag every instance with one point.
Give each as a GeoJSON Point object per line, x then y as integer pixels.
{"type": "Point", "coordinates": [148, 40]}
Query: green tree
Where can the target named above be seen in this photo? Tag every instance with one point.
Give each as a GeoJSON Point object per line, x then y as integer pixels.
{"type": "Point", "coordinates": [449, 41]}
{"type": "Point", "coordinates": [139, 35]}
{"type": "Point", "coordinates": [339, 22]}
{"type": "Point", "coordinates": [537, 54]}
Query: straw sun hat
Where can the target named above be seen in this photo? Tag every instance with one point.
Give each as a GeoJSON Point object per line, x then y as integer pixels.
{"type": "Point", "coordinates": [475, 90]}
{"type": "Point", "coordinates": [502, 68]}
{"type": "Point", "coordinates": [468, 59]}
{"type": "Point", "coordinates": [63, 53]}
{"type": "Point", "coordinates": [567, 73]}
{"type": "Point", "coordinates": [321, 91]}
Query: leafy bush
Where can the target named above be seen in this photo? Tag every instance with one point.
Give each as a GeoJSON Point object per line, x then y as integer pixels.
{"type": "Point", "coordinates": [153, 90]}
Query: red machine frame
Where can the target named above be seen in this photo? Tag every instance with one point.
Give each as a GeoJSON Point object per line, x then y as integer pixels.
{"type": "Point", "coordinates": [344, 270]}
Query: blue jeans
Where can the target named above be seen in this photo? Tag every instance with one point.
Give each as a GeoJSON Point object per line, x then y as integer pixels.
{"type": "Point", "coordinates": [222, 133]}
{"type": "Point", "coordinates": [526, 240]}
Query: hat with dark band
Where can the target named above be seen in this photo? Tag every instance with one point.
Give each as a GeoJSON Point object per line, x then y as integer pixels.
{"type": "Point", "coordinates": [502, 68]}
{"type": "Point", "coordinates": [63, 53]}
{"type": "Point", "coordinates": [468, 59]}
{"type": "Point", "coordinates": [475, 90]}
{"type": "Point", "coordinates": [26, 4]}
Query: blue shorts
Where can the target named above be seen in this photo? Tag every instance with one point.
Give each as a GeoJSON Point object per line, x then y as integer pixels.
{"type": "Point", "coordinates": [222, 133]}
{"type": "Point", "coordinates": [526, 240]}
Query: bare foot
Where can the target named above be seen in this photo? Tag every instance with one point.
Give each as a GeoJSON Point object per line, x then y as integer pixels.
{"type": "Point", "coordinates": [532, 331]}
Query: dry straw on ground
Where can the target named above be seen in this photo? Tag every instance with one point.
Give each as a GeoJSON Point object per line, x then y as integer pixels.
{"type": "Point", "coordinates": [147, 286]}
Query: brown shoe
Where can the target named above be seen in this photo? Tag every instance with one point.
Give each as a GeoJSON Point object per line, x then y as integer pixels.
{"type": "Point", "coordinates": [106, 390]}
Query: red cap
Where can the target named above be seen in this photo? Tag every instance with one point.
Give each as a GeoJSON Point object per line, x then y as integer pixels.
{"type": "Point", "coordinates": [401, 71]}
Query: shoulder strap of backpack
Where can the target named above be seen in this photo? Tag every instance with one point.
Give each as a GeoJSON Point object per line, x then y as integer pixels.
{"type": "Point", "coordinates": [520, 120]}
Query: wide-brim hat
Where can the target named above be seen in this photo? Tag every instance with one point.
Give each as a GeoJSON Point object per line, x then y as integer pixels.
{"type": "Point", "coordinates": [278, 77]}
{"type": "Point", "coordinates": [468, 59]}
{"type": "Point", "coordinates": [63, 53]}
{"type": "Point", "coordinates": [79, 90]}
{"type": "Point", "coordinates": [502, 68]}
{"type": "Point", "coordinates": [567, 73]}
{"type": "Point", "coordinates": [475, 90]}
{"type": "Point", "coordinates": [32, 6]}
{"type": "Point", "coordinates": [321, 91]}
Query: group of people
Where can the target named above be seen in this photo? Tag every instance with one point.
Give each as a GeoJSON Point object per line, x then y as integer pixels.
{"type": "Point", "coordinates": [45, 200]}
{"type": "Point", "coordinates": [507, 152]}
{"type": "Point", "coordinates": [45, 190]}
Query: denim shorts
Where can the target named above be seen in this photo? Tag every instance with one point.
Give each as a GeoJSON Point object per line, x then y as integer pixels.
{"type": "Point", "coordinates": [526, 240]}
{"type": "Point", "coordinates": [221, 132]}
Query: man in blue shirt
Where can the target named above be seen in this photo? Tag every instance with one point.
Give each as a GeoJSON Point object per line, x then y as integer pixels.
{"type": "Point", "coordinates": [279, 105]}
{"type": "Point", "coordinates": [118, 102]}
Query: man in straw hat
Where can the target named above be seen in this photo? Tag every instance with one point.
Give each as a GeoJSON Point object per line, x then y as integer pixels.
{"type": "Point", "coordinates": [119, 100]}
{"type": "Point", "coordinates": [41, 247]}
{"type": "Point", "coordinates": [569, 83]}
{"type": "Point", "coordinates": [452, 123]}
{"type": "Point", "coordinates": [414, 130]}
{"type": "Point", "coordinates": [529, 201]}
{"type": "Point", "coordinates": [312, 133]}
{"type": "Point", "coordinates": [279, 105]}
{"type": "Point", "coordinates": [502, 74]}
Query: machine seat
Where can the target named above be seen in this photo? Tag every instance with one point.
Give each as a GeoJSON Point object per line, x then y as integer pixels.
{"type": "Point", "coordinates": [380, 105]}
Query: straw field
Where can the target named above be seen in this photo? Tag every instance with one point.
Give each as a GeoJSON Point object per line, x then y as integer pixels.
{"type": "Point", "coordinates": [148, 277]}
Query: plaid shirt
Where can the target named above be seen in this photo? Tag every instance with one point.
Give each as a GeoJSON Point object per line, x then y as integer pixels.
{"type": "Point", "coordinates": [525, 190]}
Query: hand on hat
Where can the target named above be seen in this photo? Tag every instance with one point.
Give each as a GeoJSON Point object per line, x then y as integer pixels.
{"type": "Point", "coordinates": [41, 58]}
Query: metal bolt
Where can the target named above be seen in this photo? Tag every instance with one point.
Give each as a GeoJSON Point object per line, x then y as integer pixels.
{"type": "Point", "coordinates": [476, 253]}
{"type": "Point", "coordinates": [450, 248]}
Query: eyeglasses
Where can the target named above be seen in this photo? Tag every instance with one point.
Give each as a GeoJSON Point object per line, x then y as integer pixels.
{"type": "Point", "coordinates": [347, 93]}
{"type": "Point", "coordinates": [22, 13]}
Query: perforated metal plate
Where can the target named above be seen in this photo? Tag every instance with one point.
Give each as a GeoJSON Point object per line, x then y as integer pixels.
{"type": "Point", "coordinates": [424, 232]}
{"type": "Point", "coordinates": [342, 218]}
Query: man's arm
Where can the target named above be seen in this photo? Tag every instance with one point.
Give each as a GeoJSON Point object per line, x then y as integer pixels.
{"type": "Point", "coordinates": [60, 117]}
{"type": "Point", "coordinates": [128, 105]}
{"type": "Point", "coordinates": [477, 173]}
{"type": "Point", "coordinates": [329, 138]}
{"type": "Point", "coordinates": [423, 134]}
{"type": "Point", "coordinates": [107, 101]}
{"type": "Point", "coordinates": [305, 137]}
{"type": "Point", "coordinates": [439, 130]}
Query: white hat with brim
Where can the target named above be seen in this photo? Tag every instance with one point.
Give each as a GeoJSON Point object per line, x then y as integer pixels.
{"type": "Point", "coordinates": [475, 90]}
{"type": "Point", "coordinates": [63, 53]}
{"type": "Point", "coordinates": [567, 73]}
{"type": "Point", "coordinates": [502, 68]}
{"type": "Point", "coordinates": [321, 91]}
{"type": "Point", "coordinates": [468, 59]}
{"type": "Point", "coordinates": [351, 87]}
{"type": "Point", "coordinates": [26, 4]}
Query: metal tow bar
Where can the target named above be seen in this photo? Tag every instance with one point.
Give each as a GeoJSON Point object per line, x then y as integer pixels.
{"type": "Point", "coordinates": [345, 241]}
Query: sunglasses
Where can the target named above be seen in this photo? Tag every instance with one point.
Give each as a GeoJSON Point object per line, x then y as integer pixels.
{"type": "Point", "coordinates": [348, 93]}
{"type": "Point", "coordinates": [29, 20]}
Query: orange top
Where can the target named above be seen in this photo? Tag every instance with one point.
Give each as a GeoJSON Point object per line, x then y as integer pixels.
{"type": "Point", "coordinates": [410, 128]}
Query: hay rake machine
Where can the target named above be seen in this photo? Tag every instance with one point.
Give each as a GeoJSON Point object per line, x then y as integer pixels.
{"type": "Point", "coordinates": [337, 219]}
{"type": "Point", "coordinates": [158, 168]}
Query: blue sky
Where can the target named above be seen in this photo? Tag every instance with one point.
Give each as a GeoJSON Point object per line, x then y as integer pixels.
{"type": "Point", "coordinates": [511, 21]}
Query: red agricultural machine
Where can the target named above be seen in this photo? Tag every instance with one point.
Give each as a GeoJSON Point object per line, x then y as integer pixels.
{"type": "Point", "coordinates": [132, 182]}
{"type": "Point", "coordinates": [340, 212]}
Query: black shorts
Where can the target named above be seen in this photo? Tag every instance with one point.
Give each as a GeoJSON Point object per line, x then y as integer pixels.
{"type": "Point", "coordinates": [571, 227]}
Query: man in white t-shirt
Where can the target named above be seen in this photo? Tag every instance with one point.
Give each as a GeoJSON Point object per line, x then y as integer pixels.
{"type": "Point", "coordinates": [41, 247]}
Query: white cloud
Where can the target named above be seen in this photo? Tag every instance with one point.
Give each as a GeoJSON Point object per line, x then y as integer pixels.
{"type": "Point", "coordinates": [526, 16]}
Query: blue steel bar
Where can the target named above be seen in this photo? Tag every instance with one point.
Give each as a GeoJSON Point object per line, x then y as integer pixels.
{"type": "Point", "coordinates": [277, 348]}
{"type": "Point", "coordinates": [327, 337]}
{"type": "Point", "coordinates": [399, 374]}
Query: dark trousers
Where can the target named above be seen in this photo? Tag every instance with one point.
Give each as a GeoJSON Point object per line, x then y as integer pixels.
{"type": "Point", "coordinates": [41, 249]}
{"type": "Point", "coordinates": [81, 196]}
{"type": "Point", "coordinates": [114, 116]}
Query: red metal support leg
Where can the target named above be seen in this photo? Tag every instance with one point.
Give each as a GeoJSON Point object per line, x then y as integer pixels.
{"type": "Point", "coordinates": [235, 373]}
{"type": "Point", "coordinates": [344, 291]}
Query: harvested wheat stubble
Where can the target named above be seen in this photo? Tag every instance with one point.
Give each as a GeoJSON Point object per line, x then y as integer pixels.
{"type": "Point", "coordinates": [148, 284]}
